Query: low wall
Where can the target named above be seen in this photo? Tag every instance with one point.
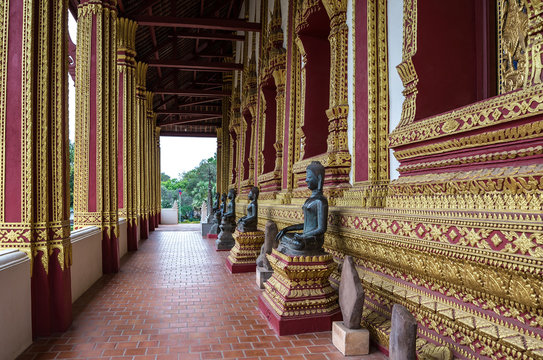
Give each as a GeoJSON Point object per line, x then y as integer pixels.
{"type": "Point", "coordinates": [169, 217]}
{"type": "Point", "coordinates": [123, 237]}
{"type": "Point", "coordinates": [86, 259]}
{"type": "Point", "coordinates": [15, 306]}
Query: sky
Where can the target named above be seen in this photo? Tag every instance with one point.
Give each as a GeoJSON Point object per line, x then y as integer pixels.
{"type": "Point", "coordinates": [178, 154]}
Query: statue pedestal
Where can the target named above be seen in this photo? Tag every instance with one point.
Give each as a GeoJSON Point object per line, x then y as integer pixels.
{"type": "Point", "coordinates": [298, 297]}
{"type": "Point", "coordinates": [225, 241]}
{"type": "Point", "coordinates": [243, 255]}
{"type": "Point", "coordinates": [262, 275]}
{"type": "Point", "coordinates": [350, 341]}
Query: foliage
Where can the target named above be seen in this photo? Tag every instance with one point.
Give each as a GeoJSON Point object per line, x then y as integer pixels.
{"type": "Point", "coordinates": [193, 185]}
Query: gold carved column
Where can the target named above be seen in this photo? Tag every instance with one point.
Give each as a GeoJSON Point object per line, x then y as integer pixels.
{"type": "Point", "coordinates": [158, 204]}
{"type": "Point", "coordinates": [141, 116]}
{"type": "Point", "coordinates": [338, 162]}
{"type": "Point", "coordinates": [95, 175]}
{"type": "Point", "coordinates": [34, 165]}
{"type": "Point", "coordinates": [126, 70]}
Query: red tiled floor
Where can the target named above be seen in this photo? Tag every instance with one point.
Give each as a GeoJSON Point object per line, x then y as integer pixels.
{"type": "Point", "coordinates": [174, 299]}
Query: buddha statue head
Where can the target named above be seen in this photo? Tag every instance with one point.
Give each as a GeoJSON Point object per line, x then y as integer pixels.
{"type": "Point", "coordinates": [315, 176]}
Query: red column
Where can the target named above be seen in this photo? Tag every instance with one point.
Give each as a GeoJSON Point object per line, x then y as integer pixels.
{"type": "Point", "coordinates": [34, 203]}
{"type": "Point", "coordinates": [95, 183]}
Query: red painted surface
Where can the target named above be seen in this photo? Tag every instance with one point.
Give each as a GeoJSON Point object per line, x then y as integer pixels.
{"type": "Point", "coordinates": [270, 92]}
{"type": "Point", "coordinates": [41, 305]}
{"type": "Point", "coordinates": [212, 236]}
{"type": "Point", "coordinates": [144, 228]}
{"type": "Point", "coordinates": [120, 144]}
{"type": "Point", "coordinates": [249, 120]}
{"type": "Point", "coordinates": [446, 60]}
{"type": "Point", "coordinates": [13, 148]}
{"type": "Point", "coordinates": [234, 156]}
{"type": "Point", "coordinates": [286, 134]}
{"type": "Point", "coordinates": [61, 294]}
{"type": "Point", "coordinates": [361, 98]}
{"type": "Point", "coordinates": [239, 268]}
{"type": "Point", "coordinates": [92, 128]}
{"type": "Point", "coordinates": [110, 253]}
{"type": "Point", "coordinates": [151, 223]}
{"type": "Point", "coordinates": [132, 237]}
{"type": "Point", "coordinates": [291, 325]}
{"type": "Point", "coordinates": [317, 86]}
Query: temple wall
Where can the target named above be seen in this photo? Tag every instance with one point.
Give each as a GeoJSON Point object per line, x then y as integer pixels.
{"type": "Point", "coordinates": [443, 214]}
{"type": "Point", "coordinates": [15, 307]}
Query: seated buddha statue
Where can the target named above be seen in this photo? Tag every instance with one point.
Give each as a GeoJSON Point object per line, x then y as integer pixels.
{"type": "Point", "coordinates": [310, 241]}
{"type": "Point", "coordinates": [249, 222]}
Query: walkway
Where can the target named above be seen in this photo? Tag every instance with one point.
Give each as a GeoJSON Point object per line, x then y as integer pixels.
{"type": "Point", "coordinates": [174, 299]}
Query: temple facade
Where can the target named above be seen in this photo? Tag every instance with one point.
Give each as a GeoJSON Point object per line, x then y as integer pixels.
{"type": "Point", "coordinates": [427, 116]}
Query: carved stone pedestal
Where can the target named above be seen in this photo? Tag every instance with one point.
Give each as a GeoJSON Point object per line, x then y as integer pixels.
{"type": "Point", "coordinates": [243, 255]}
{"type": "Point", "coordinates": [350, 341]}
{"type": "Point", "coordinates": [262, 275]}
{"type": "Point", "coordinates": [298, 297]}
{"type": "Point", "coordinates": [225, 240]}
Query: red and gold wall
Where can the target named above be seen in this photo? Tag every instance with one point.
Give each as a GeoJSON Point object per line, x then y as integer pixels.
{"type": "Point", "coordinates": [458, 237]}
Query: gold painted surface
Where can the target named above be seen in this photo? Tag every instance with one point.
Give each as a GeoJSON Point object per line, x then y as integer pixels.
{"type": "Point", "coordinates": [247, 247]}
{"type": "Point", "coordinates": [512, 44]}
{"type": "Point", "coordinates": [299, 285]}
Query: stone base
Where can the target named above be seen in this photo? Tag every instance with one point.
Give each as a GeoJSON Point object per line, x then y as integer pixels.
{"type": "Point", "coordinates": [262, 275]}
{"type": "Point", "coordinates": [291, 325]}
{"type": "Point", "coordinates": [205, 228]}
{"type": "Point", "coordinates": [224, 241]}
{"type": "Point", "coordinates": [239, 268]}
{"type": "Point", "coordinates": [350, 341]}
{"type": "Point", "coordinates": [243, 255]}
{"type": "Point", "coordinates": [298, 297]}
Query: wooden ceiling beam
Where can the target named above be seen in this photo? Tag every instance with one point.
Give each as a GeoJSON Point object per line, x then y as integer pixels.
{"type": "Point", "coordinates": [191, 121]}
{"type": "Point", "coordinates": [195, 65]}
{"type": "Point", "coordinates": [189, 113]}
{"type": "Point", "coordinates": [192, 93]}
{"type": "Point", "coordinates": [208, 36]}
{"type": "Point", "coordinates": [198, 23]}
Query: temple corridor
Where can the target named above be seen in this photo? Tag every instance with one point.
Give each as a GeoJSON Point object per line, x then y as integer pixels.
{"type": "Point", "coordinates": [174, 299]}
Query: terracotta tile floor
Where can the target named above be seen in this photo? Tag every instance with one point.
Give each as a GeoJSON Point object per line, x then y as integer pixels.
{"type": "Point", "coordinates": [174, 299]}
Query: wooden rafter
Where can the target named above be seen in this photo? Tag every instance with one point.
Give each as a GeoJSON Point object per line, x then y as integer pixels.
{"type": "Point", "coordinates": [198, 23]}
{"type": "Point", "coordinates": [195, 65]}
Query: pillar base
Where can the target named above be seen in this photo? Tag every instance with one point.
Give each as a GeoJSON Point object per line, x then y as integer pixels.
{"type": "Point", "coordinates": [243, 255]}
{"type": "Point", "coordinates": [239, 268]}
{"type": "Point", "coordinates": [292, 325]}
{"type": "Point", "coordinates": [298, 297]}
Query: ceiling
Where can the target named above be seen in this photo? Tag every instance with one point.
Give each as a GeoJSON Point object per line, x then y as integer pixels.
{"type": "Point", "coordinates": [188, 45]}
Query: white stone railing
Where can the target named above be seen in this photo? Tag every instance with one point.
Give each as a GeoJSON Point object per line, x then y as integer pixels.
{"type": "Point", "coordinates": [86, 259]}
{"type": "Point", "coordinates": [15, 305]}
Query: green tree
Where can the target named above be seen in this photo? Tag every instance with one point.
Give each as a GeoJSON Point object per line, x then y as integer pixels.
{"type": "Point", "coordinates": [193, 185]}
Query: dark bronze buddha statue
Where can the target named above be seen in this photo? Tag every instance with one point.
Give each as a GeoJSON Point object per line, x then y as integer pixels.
{"type": "Point", "coordinates": [311, 240]}
{"type": "Point", "coordinates": [230, 214]}
{"type": "Point", "coordinates": [249, 222]}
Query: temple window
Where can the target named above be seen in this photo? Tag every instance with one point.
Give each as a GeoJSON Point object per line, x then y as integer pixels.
{"type": "Point", "coordinates": [312, 40]}
{"type": "Point", "coordinates": [269, 92]}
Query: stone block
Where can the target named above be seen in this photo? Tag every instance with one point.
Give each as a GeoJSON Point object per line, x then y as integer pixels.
{"type": "Point", "coordinates": [262, 275]}
{"type": "Point", "coordinates": [350, 341]}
